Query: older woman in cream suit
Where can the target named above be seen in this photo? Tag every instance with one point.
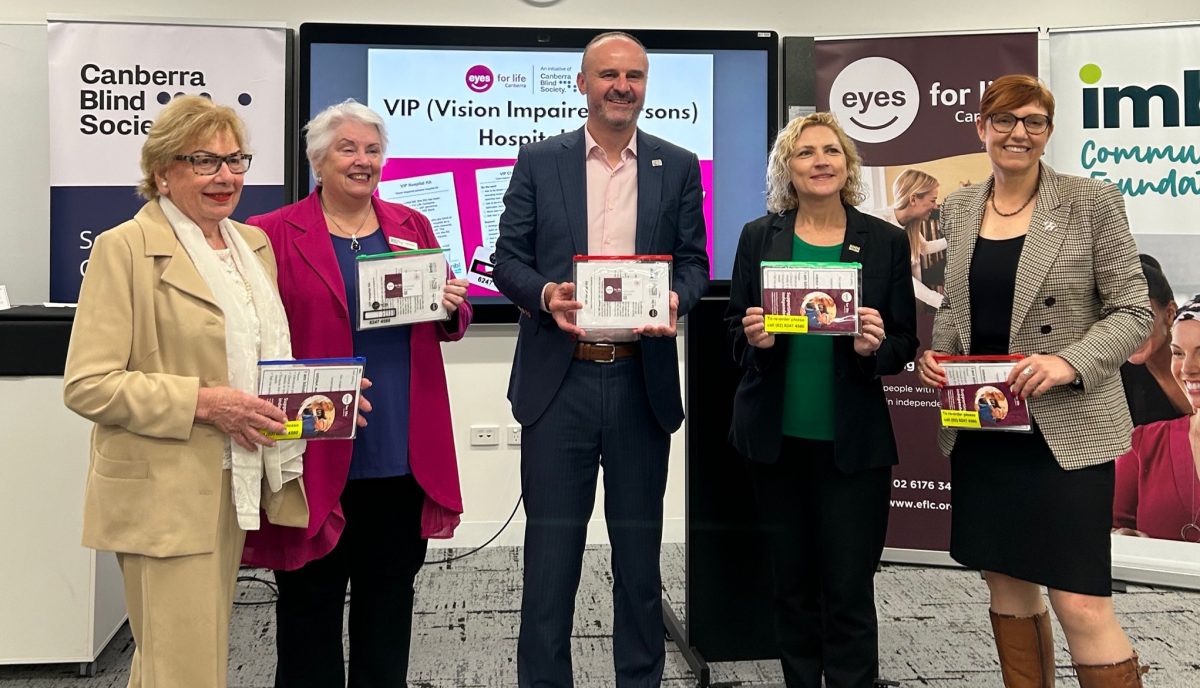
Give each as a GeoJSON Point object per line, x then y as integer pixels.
{"type": "Point", "coordinates": [177, 307]}
{"type": "Point", "coordinates": [1042, 265]}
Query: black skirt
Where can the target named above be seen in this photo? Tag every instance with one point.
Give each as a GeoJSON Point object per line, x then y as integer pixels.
{"type": "Point", "coordinates": [1015, 511]}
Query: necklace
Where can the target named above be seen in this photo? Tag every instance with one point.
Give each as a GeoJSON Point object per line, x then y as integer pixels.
{"type": "Point", "coordinates": [354, 245]}
{"type": "Point", "coordinates": [1190, 532]}
{"type": "Point", "coordinates": [992, 198]}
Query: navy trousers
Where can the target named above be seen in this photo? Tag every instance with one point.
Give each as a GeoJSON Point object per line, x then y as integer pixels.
{"type": "Point", "coordinates": [379, 554]}
{"type": "Point", "coordinates": [600, 417]}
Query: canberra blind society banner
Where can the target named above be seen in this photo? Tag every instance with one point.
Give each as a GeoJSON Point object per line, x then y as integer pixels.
{"type": "Point", "coordinates": [109, 80]}
{"type": "Point", "coordinates": [911, 103]}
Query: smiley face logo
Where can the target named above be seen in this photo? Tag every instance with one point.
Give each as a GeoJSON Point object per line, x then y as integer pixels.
{"type": "Point", "coordinates": [479, 78]}
{"type": "Point", "coordinates": [875, 99]}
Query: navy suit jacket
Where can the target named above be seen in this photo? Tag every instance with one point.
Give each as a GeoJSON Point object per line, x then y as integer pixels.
{"type": "Point", "coordinates": [545, 225]}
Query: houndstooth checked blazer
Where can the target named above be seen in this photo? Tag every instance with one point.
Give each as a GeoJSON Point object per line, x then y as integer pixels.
{"type": "Point", "coordinates": [1080, 294]}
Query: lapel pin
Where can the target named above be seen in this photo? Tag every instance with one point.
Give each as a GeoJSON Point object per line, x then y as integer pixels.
{"type": "Point", "coordinates": [1050, 226]}
{"type": "Point", "coordinates": [854, 248]}
{"type": "Point", "coordinates": [656, 163]}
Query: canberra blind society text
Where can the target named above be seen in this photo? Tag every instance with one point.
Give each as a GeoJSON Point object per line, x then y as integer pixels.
{"type": "Point", "coordinates": [125, 121]}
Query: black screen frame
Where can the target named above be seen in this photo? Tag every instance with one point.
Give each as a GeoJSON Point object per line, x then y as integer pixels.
{"type": "Point", "coordinates": [414, 35]}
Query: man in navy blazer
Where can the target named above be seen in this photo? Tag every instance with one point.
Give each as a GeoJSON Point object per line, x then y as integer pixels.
{"type": "Point", "coordinates": [586, 400]}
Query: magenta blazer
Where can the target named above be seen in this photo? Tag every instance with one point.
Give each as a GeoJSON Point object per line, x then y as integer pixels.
{"type": "Point", "coordinates": [314, 297]}
{"type": "Point", "coordinates": [1157, 490]}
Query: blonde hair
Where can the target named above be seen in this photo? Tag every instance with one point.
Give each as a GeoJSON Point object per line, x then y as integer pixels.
{"type": "Point", "coordinates": [911, 182]}
{"type": "Point", "coordinates": [185, 122]}
{"type": "Point", "coordinates": [781, 195]}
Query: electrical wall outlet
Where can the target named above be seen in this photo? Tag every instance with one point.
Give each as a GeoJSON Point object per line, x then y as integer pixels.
{"type": "Point", "coordinates": [485, 435]}
{"type": "Point", "coordinates": [514, 435]}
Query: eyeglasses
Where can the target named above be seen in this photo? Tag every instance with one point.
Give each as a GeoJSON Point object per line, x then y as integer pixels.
{"type": "Point", "coordinates": [1005, 122]}
{"type": "Point", "coordinates": [208, 164]}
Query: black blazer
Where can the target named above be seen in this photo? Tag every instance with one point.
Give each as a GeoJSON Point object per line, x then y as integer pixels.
{"type": "Point", "coordinates": [863, 429]}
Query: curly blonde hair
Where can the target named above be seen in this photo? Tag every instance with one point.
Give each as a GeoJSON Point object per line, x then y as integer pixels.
{"type": "Point", "coordinates": [185, 122]}
{"type": "Point", "coordinates": [781, 195]}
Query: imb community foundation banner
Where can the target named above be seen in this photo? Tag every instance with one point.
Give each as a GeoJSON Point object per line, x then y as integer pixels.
{"type": "Point", "coordinates": [1128, 112]}
{"type": "Point", "coordinates": [108, 81]}
{"type": "Point", "coordinates": [910, 103]}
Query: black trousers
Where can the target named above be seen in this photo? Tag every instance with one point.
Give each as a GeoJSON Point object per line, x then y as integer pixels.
{"type": "Point", "coordinates": [826, 531]}
{"type": "Point", "coordinates": [379, 553]}
{"type": "Point", "coordinates": [601, 417]}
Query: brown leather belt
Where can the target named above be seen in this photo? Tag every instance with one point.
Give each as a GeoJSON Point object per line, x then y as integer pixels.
{"type": "Point", "coordinates": [605, 353]}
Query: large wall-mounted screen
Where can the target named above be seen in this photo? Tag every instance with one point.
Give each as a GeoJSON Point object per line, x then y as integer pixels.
{"type": "Point", "coordinates": [460, 101]}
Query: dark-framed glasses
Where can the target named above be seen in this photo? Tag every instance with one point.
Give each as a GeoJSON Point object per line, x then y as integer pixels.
{"type": "Point", "coordinates": [1005, 122]}
{"type": "Point", "coordinates": [207, 163]}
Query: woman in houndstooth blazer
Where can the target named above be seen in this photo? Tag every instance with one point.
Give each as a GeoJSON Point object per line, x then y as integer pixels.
{"type": "Point", "coordinates": [1042, 265]}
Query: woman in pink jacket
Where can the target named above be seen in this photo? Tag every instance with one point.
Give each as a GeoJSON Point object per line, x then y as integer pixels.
{"type": "Point", "coordinates": [373, 501]}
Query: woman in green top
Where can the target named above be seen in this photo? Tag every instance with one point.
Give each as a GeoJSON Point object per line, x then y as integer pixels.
{"type": "Point", "coordinates": [810, 413]}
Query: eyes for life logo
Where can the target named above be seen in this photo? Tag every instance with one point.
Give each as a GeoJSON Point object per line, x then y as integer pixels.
{"type": "Point", "coordinates": [480, 78]}
{"type": "Point", "coordinates": [875, 99]}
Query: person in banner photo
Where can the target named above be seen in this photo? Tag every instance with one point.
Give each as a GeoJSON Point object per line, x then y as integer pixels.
{"type": "Point", "coordinates": [916, 193]}
{"type": "Point", "coordinates": [176, 309]}
{"type": "Point", "coordinates": [374, 500]}
{"type": "Point", "coordinates": [810, 412]}
{"type": "Point", "coordinates": [1043, 265]}
{"type": "Point", "coordinates": [586, 400]}
{"type": "Point", "coordinates": [1158, 479]}
{"type": "Point", "coordinates": [1152, 391]}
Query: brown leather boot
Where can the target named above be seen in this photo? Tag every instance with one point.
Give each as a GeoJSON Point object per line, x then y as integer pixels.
{"type": "Point", "coordinates": [1126, 674]}
{"type": "Point", "coordinates": [1026, 648]}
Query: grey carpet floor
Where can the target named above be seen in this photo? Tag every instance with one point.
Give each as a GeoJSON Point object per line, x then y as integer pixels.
{"type": "Point", "coordinates": [934, 631]}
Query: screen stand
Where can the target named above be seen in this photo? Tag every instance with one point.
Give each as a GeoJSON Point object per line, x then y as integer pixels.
{"type": "Point", "coordinates": [677, 634]}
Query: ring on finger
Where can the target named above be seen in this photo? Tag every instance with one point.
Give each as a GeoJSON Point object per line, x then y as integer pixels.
{"type": "Point", "coordinates": [1028, 371]}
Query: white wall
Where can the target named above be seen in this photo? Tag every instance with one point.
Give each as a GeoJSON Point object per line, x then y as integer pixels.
{"type": "Point", "coordinates": [478, 366]}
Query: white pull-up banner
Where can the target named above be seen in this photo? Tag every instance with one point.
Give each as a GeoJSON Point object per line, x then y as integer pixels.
{"type": "Point", "coordinates": [108, 81]}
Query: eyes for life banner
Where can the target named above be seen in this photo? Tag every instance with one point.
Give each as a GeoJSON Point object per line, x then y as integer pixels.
{"type": "Point", "coordinates": [911, 103]}
{"type": "Point", "coordinates": [456, 119]}
{"type": "Point", "coordinates": [109, 80]}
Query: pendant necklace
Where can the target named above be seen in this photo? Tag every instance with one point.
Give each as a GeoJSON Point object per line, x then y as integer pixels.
{"type": "Point", "coordinates": [353, 236]}
{"type": "Point", "coordinates": [1190, 532]}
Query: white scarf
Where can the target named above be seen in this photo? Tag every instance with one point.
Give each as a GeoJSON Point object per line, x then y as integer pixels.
{"type": "Point", "coordinates": [245, 345]}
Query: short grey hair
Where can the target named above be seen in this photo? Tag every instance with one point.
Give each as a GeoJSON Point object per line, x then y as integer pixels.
{"type": "Point", "coordinates": [600, 38]}
{"type": "Point", "coordinates": [319, 132]}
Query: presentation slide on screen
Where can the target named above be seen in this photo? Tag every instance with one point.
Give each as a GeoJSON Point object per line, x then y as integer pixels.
{"type": "Point", "coordinates": [456, 119]}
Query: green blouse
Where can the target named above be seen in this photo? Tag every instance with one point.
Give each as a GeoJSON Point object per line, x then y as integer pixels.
{"type": "Point", "coordinates": [808, 392]}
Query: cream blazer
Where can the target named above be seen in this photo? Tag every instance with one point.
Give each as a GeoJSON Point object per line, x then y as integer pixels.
{"type": "Point", "coordinates": [148, 335]}
{"type": "Point", "coordinates": [1080, 293]}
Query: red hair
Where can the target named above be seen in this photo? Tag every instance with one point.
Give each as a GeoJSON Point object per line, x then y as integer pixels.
{"type": "Point", "coordinates": [1013, 91]}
